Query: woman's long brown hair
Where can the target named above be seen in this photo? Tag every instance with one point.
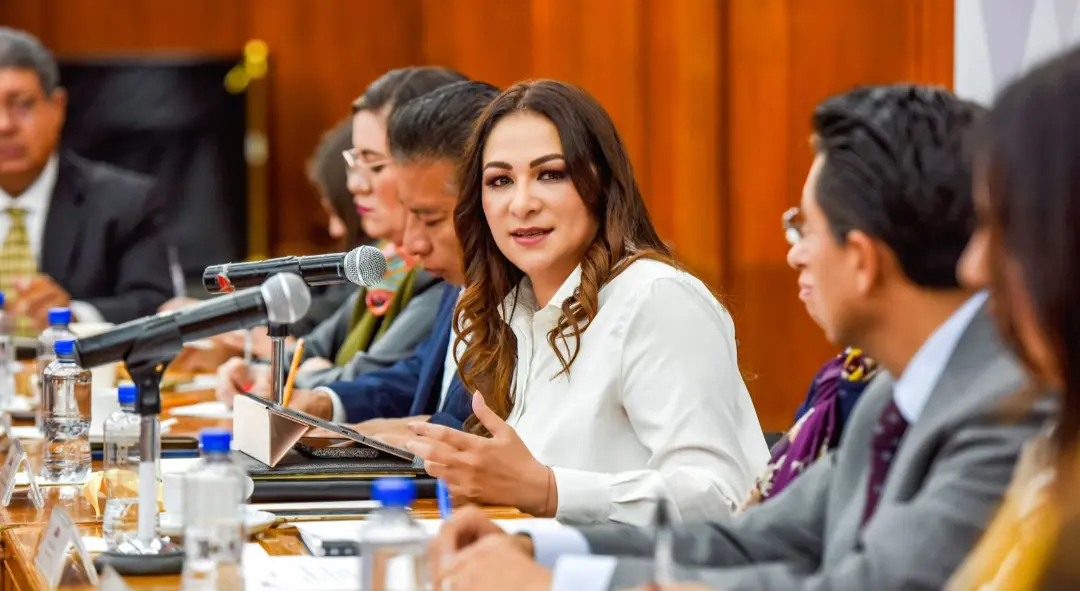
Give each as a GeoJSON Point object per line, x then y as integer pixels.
{"type": "Point", "coordinates": [600, 169]}
{"type": "Point", "coordinates": [1029, 160]}
{"type": "Point", "coordinates": [1030, 157]}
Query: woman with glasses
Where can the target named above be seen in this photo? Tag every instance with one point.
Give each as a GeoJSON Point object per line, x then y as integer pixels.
{"type": "Point", "coordinates": [381, 324]}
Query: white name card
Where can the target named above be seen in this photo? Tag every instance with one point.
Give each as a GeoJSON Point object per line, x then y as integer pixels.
{"type": "Point", "coordinates": [59, 535]}
{"type": "Point", "coordinates": [5, 428]}
{"type": "Point", "coordinates": [16, 462]}
{"type": "Point", "coordinates": [112, 581]}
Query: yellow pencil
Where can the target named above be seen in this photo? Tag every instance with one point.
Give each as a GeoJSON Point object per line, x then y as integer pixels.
{"type": "Point", "coordinates": [292, 372]}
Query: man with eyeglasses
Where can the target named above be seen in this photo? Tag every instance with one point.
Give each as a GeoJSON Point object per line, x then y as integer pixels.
{"type": "Point", "coordinates": [928, 451]}
{"type": "Point", "coordinates": [73, 233]}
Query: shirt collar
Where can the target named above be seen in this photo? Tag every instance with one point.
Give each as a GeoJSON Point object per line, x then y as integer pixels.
{"type": "Point", "coordinates": [521, 304]}
{"type": "Point", "coordinates": [36, 197]}
{"type": "Point", "coordinates": [912, 390]}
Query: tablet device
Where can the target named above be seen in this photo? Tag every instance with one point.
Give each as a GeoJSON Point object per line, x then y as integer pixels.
{"type": "Point", "coordinates": [342, 430]}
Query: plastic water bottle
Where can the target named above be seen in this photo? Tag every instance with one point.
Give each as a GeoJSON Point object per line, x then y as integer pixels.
{"type": "Point", "coordinates": [66, 418]}
{"type": "Point", "coordinates": [213, 500]}
{"type": "Point", "coordinates": [393, 545]}
{"type": "Point", "coordinates": [7, 358]}
{"type": "Point", "coordinates": [121, 463]}
{"type": "Point", "coordinates": [58, 330]}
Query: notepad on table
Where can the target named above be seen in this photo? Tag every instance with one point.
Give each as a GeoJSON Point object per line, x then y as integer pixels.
{"type": "Point", "coordinates": [26, 432]}
{"type": "Point", "coordinates": [289, 573]}
{"type": "Point", "coordinates": [207, 410]}
{"type": "Point", "coordinates": [313, 533]}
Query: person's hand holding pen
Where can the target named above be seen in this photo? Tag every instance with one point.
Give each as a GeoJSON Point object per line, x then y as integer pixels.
{"type": "Point", "coordinates": [235, 377]}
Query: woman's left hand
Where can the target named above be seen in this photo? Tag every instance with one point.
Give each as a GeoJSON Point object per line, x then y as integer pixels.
{"type": "Point", "coordinates": [497, 471]}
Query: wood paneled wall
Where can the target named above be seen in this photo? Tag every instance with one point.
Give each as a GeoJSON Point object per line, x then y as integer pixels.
{"type": "Point", "coordinates": [712, 97]}
{"type": "Point", "coordinates": [782, 58]}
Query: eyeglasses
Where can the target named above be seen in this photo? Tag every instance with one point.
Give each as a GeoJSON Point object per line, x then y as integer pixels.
{"type": "Point", "coordinates": [354, 162]}
{"type": "Point", "coordinates": [20, 108]}
{"type": "Point", "coordinates": [793, 223]}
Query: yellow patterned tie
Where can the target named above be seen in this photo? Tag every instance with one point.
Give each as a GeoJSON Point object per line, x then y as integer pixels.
{"type": "Point", "coordinates": [16, 261]}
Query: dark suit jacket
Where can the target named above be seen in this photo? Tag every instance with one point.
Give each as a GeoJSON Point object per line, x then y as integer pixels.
{"type": "Point", "coordinates": [411, 386]}
{"type": "Point", "coordinates": [103, 239]}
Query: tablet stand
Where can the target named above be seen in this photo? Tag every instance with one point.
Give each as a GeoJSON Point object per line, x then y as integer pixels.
{"type": "Point", "coordinates": [146, 361]}
{"type": "Point", "coordinates": [277, 332]}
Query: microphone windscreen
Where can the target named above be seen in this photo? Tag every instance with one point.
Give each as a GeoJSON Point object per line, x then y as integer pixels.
{"type": "Point", "coordinates": [365, 266]}
{"type": "Point", "coordinates": [286, 297]}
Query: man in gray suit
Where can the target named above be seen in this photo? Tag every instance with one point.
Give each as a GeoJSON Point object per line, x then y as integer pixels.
{"type": "Point", "coordinates": [886, 212]}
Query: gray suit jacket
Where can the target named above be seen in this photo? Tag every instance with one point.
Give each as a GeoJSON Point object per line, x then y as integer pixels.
{"type": "Point", "coordinates": [947, 478]}
{"type": "Point", "coordinates": [408, 330]}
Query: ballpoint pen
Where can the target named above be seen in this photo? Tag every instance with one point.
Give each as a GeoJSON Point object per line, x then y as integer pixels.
{"type": "Point", "coordinates": [663, 552]}
{"type": "Point", "coordinates": [442, 496]}
{"type": "Point", "coordinates": [248, 345]}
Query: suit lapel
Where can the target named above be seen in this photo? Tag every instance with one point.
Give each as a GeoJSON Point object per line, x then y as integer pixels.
{"type": "Point", "coordinates": [952, 394]}
{"type": "Point", "coordinates": [63, 222]}
{"type": "Point", "coordinates": [848, 498]}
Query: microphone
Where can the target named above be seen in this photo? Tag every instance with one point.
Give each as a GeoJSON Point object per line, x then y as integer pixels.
{"type": "Point", "coordinates": [364, 266]}
{"type": "Point", "coordinates": [282, 299]}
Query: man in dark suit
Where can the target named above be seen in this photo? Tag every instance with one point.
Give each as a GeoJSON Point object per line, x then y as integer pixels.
{"type": "Point", "coordinates": [427, 137]}
{"type": "Point", "coordinates": [73, 233]}
{"type": "Point", "coordinates": [886, 213]}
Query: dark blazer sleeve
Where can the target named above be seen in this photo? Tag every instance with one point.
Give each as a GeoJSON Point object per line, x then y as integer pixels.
{"type": "Point", "coordinates": [410, 387]}
{"type": "Point", "coordinates": [457, 409]}
{"type": "Point", "coordinates": [390, 392]}
{"type": "Point", "coordinates": [123, 211]}
{"type": "Point", "coordinates": [386, 393]}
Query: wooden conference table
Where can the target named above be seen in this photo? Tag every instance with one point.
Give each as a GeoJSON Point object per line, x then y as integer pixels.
{"type": "Point", "coordinates": [21, 524]}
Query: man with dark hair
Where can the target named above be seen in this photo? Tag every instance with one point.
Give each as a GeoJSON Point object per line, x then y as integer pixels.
{"type": "Point", "coordinates": [427, 137]}
{"type": "Point", "coordinates": [73, 233]}
{"type": "Point", "coordinates": [927, 453]}
{"type": "Point", "coordinates": [400, 86]}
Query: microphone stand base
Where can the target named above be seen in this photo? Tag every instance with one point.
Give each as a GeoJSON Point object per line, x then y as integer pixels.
{"type": "Point", "coordinates": [134, 558]}
{"type": "Point", "coordinates": [149, 553]}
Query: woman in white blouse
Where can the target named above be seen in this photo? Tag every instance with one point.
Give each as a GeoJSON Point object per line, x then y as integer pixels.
{"type": "Point", "coordinates": [609, 376]}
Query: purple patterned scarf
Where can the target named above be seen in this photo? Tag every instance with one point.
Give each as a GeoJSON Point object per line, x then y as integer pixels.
{"type": "Point", "coordinates": [817, 430]}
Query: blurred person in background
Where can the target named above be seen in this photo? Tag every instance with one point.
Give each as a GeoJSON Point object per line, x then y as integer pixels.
{"type": "Point", "coordinates": [73, 233]}
{"type": "Point", "coordinates": [427, 137]}
{"type": "Point", "coordinates": [1027, 249]}
{"type": "Point", "coordinates": [819, 423]}
{"type": "Point", "coordinates": [380, 325]}
{"type": "Point", "coordinates": [326, 171]}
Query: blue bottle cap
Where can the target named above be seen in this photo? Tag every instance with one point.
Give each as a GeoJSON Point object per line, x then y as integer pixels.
{"type": "Point", "coordinates": [394, 492]}
{"type": "Point", "coordinates": [126, 394]}
{"type": "Point", "coordinates": [215, 440]}
{"type": "Point", "coordinates": [65, 347]}
{"type": "Point", "coordinates": [1, 298]}
{"type": "Point", "coordinates": [59, 316]}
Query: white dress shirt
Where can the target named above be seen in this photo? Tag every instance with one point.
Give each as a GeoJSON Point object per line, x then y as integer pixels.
{"type": "Point", "coordinates": [35, 201]}
{"type": "Point", "coordinates": [567, 551]}
{"type": "Point", "coordinates": [913, 388]}
{"type": "Point", "coordinates": [654, 405]}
